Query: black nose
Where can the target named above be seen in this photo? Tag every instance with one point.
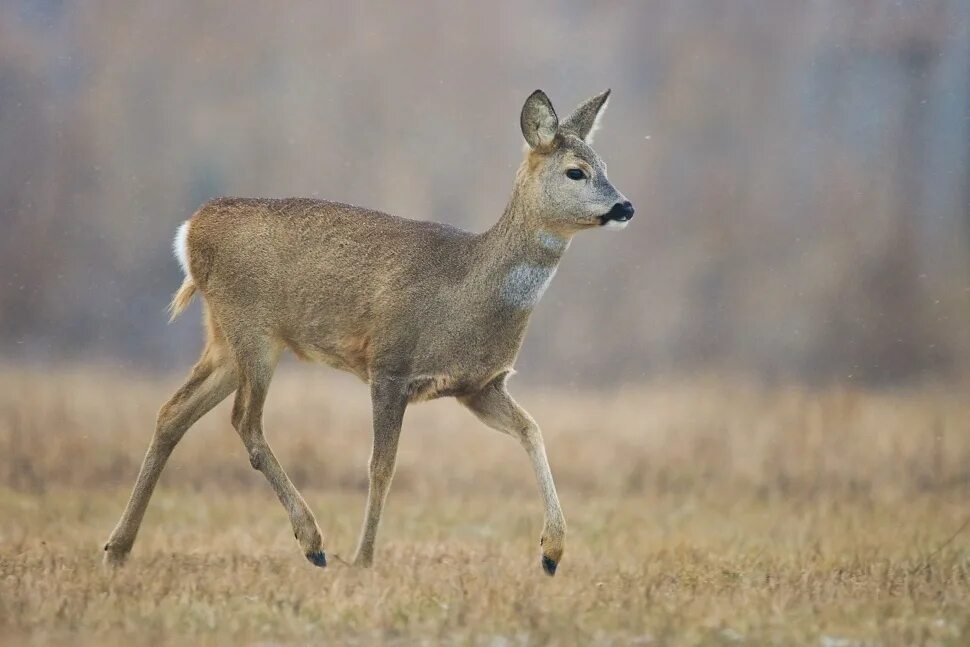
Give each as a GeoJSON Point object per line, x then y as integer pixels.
{"type": "Point", "coordinates": [621, 211]}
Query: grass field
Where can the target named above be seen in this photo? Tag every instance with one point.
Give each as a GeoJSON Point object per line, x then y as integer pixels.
{"type": "Point", "coordinates": [705, 512]}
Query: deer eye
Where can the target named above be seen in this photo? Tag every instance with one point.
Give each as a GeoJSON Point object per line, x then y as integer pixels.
{"type": "Point", "coordinates": [576, 174]}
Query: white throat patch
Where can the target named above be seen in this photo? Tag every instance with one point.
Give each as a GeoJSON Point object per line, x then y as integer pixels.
{"type": "Point", "coordinates": [524, 284]}
{"type": "Point", "coordinates": [552, 242]}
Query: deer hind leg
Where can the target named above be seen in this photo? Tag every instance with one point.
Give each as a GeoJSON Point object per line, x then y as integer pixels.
{"type": "Point", "coordinates": [495, 407]}
{"type": "Point", "coordinates": [256, 362]}
{"type": "Point", "coordinates": [212, 379]}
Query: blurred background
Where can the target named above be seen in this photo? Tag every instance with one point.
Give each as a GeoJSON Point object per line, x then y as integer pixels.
{"type": "Point", "coordinates": [801, 170]}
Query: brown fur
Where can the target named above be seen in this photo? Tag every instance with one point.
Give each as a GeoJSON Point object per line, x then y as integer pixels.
{"type": "Point", "coordinates": [418, 310]}
{"type": "Point", "coordinates": [182, 298]}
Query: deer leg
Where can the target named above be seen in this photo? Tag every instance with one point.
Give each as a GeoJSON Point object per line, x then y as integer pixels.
{"type": "Point", "coordinates": [211, 380]}
{"type": "Point", "coordinates": [495, 407]}
{"type": "Point", "coordinates": [389, 400]}
{"type": "Point", "coordinates": [255, 370]}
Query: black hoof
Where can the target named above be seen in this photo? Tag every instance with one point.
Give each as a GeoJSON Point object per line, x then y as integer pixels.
{"type": "Point", "coordinates": [548, 565]}
{"type": "Point", "coordinates": [318, 558]}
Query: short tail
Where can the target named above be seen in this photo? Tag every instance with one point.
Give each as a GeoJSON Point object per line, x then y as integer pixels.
{"type": "Point", "coordinates": [182, 298]}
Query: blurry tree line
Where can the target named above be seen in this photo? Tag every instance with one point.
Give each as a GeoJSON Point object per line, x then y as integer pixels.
{"type": "Point", "coordinates": [801, 169]}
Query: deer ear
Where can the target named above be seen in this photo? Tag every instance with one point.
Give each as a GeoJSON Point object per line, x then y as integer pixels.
{"type": "Point", "coordinates": [539, 121]}
{"type": "Point", "coordinates": [585, 120]}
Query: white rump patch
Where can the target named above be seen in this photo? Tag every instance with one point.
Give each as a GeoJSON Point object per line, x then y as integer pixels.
{"type": "Point", "coordinates": [616, 224]}
{"type": "Point", "coordinates": [181, 246]}
{"type": "Point", "coordinates": [525, 284]}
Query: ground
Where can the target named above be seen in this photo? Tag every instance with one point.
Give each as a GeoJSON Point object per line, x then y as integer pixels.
{"type": "Point", "coordinates": [700, 512]}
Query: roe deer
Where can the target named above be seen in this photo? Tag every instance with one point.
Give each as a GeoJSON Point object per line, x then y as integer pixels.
{"type": "Point", "coordinates": [418, 310]}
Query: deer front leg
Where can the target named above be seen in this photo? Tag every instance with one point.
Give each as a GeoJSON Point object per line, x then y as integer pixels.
{"type": "Point", "coordinates": [389, 400]}
{"type": "Point", "coordinates": [495, 407]}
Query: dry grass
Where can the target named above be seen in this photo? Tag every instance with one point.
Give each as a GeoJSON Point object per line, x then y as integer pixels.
{"type": "Point", "coordinates": [709, 512]}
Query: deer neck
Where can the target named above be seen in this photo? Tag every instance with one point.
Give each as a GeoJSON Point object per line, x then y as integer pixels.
{"type": "Point", "coordinates": [519, 254]}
